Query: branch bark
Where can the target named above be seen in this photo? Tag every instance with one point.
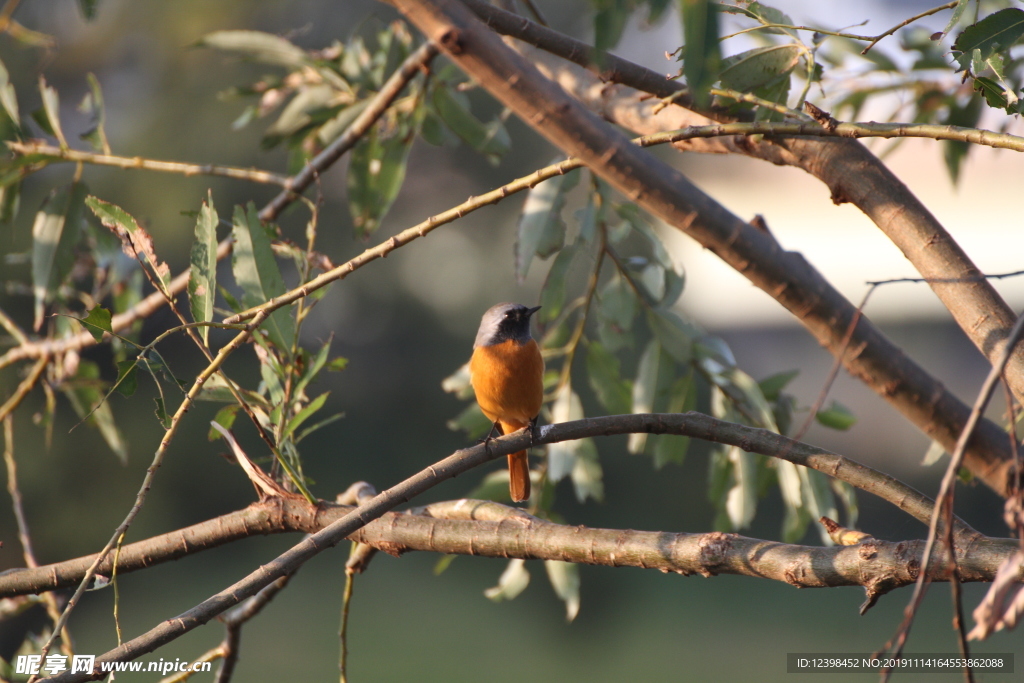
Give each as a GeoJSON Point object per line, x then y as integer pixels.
{"type": "Point", "coordinates": [666, 193]}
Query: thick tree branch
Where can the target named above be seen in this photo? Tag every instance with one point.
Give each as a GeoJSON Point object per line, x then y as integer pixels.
{"type": "Point", "coordinates": [851, 172]}
{"type": "Point", "coordinates": [287, 515]}
{"type": "Point", "coordinates": [664, 192]}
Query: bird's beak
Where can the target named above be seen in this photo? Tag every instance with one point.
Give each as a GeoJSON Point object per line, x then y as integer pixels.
{"type": "Point", "coordinates": [531, 311]}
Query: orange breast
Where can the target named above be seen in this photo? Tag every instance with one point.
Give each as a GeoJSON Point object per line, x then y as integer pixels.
{"type": "Point", "coordinates": [508, 379]}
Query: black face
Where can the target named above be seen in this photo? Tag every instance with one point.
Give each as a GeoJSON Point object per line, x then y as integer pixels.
{"type": "Point", "coordinates": [503, 322]}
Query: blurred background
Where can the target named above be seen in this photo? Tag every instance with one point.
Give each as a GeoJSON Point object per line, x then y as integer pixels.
{"type": "Point", "coordinates": [408, 322]}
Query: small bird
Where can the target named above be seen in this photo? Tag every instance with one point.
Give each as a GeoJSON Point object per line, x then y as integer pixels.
{"type": "Point", "coordinates": [507, 374]}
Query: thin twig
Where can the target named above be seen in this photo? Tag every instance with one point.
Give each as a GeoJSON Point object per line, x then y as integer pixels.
{"type": "Point", "coordinates": [24, 387]}
{"type": "Point", "coordinates": [944, 505]}
{"type": "Point", "coordinates": [49, 599]}
{"type": "Point", "coordinates": [346, 601]}
{"type": "Point", "coordinates": [911, 20]}
{"type": "Point", "coordinates": [181, 168]}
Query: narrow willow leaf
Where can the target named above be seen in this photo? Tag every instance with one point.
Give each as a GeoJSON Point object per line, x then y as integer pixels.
{"type": "Point", "coordinates": [836, 416]}
{"type": "Point", "coordinates": [92, 104]}
{"type": "Point", "coordinates": [304, 414]}
{"type": "Point", "coordinates": [644, 390]}
{"type": "Point", "coordinates": [755, 68]}
{"type": "Point", "coordinates": [202, 281]}
{"type": "Point", "coordinates": [541, 228]}
{"type": "Point", "coordinates": [552, 296]}
{"type": "Point", "coordinates": [669, 447]}
{"type": "Point", "coordinates": [256, 272]}
{"type": "Point", "coordinates": [8, 98]}
{"type": "Point", "coordinates": [701, 56]}
{"type": "Point", "coordinates": [127, 380]}
{"type": "Point", "coordinates": [772, 386]}
{"type": "Point", "coordinates": [562, 455]}
{"type": "Point", "coordinates": [10, 200]}
{"type": "Point", "coordinates": [161, 412]}
{"type": "Point", "coordinates": [51, 109]}
{"type": "Point", "coordinates": [262, 47]}
{"type": "Point", "coordinates": [375, 176]}
{"type": "Point", "coordinates": [587, 474]}
{"type": "Point", "coordinates": [225, 417]}
{"type": "Point", "coordinates": [453, 108]}
{"type": "Point", "coordinates": [55, 233]}
{"type": "Point", "coordinates": [565, 579]}
{"type": "Point", "coordinates": [741, 499]}
{"type": "Point", "coordinates": [958, 12]}
{"type": "Point", "coordinates": [605, 379]}
{"type": "Point", "coordinates": [86, 397]}
{"type": "Point", "coordinates": [511, 583]}
{"type": "Point", "coordinates": [135, 241]}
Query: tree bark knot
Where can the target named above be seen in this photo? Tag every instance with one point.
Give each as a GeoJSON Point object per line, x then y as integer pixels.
{"type": "Point", "coordinates": [714, 547]}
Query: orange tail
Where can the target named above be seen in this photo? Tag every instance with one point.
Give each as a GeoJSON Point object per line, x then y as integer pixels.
{"type": "Point", "coordinates": [519, 476]}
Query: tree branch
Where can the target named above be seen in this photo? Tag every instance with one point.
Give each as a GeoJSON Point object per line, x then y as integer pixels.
{"type": "Point", "coordinates": [288, 515]}
{"type": "Point", "coordinates": [851, 172]}
{"type": "Point", "coordinates": [664, 192]}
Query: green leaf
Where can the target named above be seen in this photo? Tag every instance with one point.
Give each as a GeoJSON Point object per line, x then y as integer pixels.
{"type": "Point", "coordinates": [202, 282]}
{"type": "Point", "coordinates": [967, 115]}
{"type": "Point", "coordinates": [669, 447]}
{"type": "Point", "coordinates": [552, 296]}
{"type": "Point", "coordinates": [741, 498]}
{"type": "Point", "coordinates": [490, 139]}
{"type": "Point", "coordinates": [127, 381]}
{"type": "Point", "coordinates": [161, 412]}
{"type": "Point", "coordinates": [10, 200]}
{"type": "Point", "coordinates": [562, 455]}
{"type": "Point", "coordinates": [84, 391]}
{"type": "Point", "coordinates": [337, 364]}
{"type": "Point", "coordinates": [256, 45]}
{"type": "Point", "coordinates": [8, 97]}
{"type": "Point", "coordinates": [772, 386]}
{"type": "Point", "coordinates": [304, 414]}
{"type": "Point", "coordinates": [674, 334]}
{"type": "Point", "coordinates": [92, 104]}
{"type": "Point", "coordinates": [300, 111]}
{"type": "Point", "coordinates": [565, 579]}
{"type": "Point", "coordinates": [134, 239]}
{"type": "Point", "coordinates": [51, 110]}
{"type": "Point", "coordinates": [847, 494]}
{"type": "Point", "coordinates": [958, 12]}
{"type": "Point", "coordinates": [375, 175]}
{"type": "Point", "coordinates": [836, 416]}
{"type": "Point", "coordinates": [55, 233]}
{"type": "Point", "coordinates": [764, 14]}
{"type": "Point", "coordinates": [603, 373]}
{"type": "Point", "coordinates": [97, 322]}
{"type": "Point", "coordinates": [88, 8]}
{"type": "Point", "coordinates": [511, 583]}
{"type": "Point", "coordinates": [225, 417]}
{"type": "Point", "coordinates": [609, 23]}
{"type": "Point", "coordinates": [701, 56]}
{"type": "Point", "coordinates": [541, 229]}
{"type": "Point", "coordinates": [644, 390]}
{"type": "Point", "coordinates": [995, 33]}
{"type": "Point", "coordinates": [473, 422]}
{"type": "Point", "coordinates": [322, 423]}
{"type": "Point", "coordinates": [587, 475]}
{"type": "Point", "coordinates": [257, 273]}
{"type": "Point", "coordinates": [760, 66]}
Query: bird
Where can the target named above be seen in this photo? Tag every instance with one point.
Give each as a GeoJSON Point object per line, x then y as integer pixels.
{"type": "Point", "coordinates": [507, 374]}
